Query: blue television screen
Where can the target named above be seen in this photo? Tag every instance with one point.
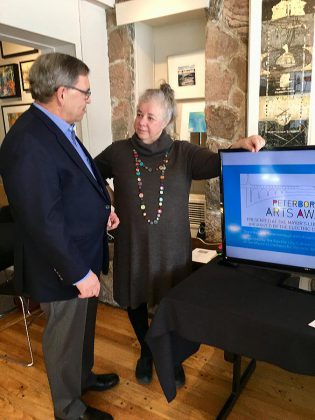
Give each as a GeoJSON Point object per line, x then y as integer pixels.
{"type": "Point", "coordinates": [268, 201]}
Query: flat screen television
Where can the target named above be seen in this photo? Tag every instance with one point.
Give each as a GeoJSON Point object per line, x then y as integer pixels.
{"type": "Point", "coordinates": [268, 217]}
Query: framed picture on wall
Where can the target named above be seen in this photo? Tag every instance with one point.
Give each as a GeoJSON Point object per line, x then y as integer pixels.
{"type": "Point", "coordinates": [281, 86]}
{"type": "Point", "coordinates": [8, 49]}
{"type": "Point", "coordinates": [186, 75]}
{"type": "Point", "coordinates": [10, 113]}
{"type": "Point", "coordinates": [25, 68]}
{"type": "Point", "coordinates": [9, 81]}
{"type": "Point", "coordinates": [186, 115]}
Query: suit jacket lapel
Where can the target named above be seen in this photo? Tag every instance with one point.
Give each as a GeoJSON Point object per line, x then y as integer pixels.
{"type": "Point", "coordinates": [99, 179]}
{"type": "Point", "coordinates": [73, 154]}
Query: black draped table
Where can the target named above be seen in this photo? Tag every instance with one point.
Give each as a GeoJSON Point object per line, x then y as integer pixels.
{"type": "Point", "coordinates": [241, 310]}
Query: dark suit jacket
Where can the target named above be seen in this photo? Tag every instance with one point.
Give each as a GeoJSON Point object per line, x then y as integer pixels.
{"type": "Point", "coordinates": [60, 209]}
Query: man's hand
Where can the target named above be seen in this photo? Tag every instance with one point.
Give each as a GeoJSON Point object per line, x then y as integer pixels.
{"type": "Point", "coordinates": [253, 143]}
{"type": "Point", "coordinates": [89, 287]}
{"type": "Point", "coordinates": [113, 221]}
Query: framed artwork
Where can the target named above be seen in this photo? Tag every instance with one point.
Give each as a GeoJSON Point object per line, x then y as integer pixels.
{"type": "Point", "coordinates": [197, 122]}
{"type": "Point", "coordinates": [281, 86]}
{"type": "Point", "coordinates": [186, 75]}
{"type": "Point", "coordinates": [10, 113]}
{"type": "Point", "coordinates": [25, 68]}
{"type": "Point", "coordinates": [8, 49]}
{"type": "Point", "coordinates": [190, 118]}
{"type": "Point", "coordinates": [9, 81]}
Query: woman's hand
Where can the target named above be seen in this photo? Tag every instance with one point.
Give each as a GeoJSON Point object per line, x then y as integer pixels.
{"type": "Point", "coordinates": [252, 143]}
{"type": "Point", "coordinates": [113, 221]}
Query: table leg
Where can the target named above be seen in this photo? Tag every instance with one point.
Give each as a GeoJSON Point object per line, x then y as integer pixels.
{"type": "Point", "coordinates": [238, 382]}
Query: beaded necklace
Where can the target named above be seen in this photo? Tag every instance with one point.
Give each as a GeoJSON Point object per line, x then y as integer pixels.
{"type": "Point", "coordinates": [162, 168]}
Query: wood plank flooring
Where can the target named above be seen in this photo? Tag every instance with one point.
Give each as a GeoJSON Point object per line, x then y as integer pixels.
{"type": "Point", "coordinates": [271, 393]}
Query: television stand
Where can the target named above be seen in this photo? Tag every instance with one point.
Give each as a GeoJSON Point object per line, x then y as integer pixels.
{"type": "Point", "coordinates": [299, 283]}
{"type": "Point", "coordinates": [228, 263]}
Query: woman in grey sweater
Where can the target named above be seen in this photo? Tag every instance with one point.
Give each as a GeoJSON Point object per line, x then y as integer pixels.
{"type": "Point", "coordinates": [152, 178]}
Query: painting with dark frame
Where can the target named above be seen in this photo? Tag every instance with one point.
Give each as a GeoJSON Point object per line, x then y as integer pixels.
{"type": "Point", "coordinates": [22, 50]}
{"type": "Point", "coordinates": [25, 67]}
{"type": "Point", "coordinates": [9, 81]}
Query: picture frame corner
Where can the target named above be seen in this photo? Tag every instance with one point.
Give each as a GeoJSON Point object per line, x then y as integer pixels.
{"type": "Point", "coordinates": [16, 111]}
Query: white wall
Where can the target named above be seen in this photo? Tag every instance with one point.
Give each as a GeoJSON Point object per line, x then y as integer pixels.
{"type": "Point", "coordinates": [74, 26]}
{"type": "Point", "coordinates": [142, 10]}
{"type": "Point", "coordinates": [95, 53]}
{"type": "Point", "coordinates": [176, 39]}
{"type": "Point", "coordinates": [153, 44]}
{"type": "Point", "coordinates": [144, 53]}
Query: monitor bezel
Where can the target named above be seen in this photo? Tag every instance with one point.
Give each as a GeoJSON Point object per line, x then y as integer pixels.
{"type": "Point", "coordinates": [305, 271]}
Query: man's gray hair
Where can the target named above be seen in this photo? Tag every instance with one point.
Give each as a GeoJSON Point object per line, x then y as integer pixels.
{"type": "Point", "coordinates": [50, 71]}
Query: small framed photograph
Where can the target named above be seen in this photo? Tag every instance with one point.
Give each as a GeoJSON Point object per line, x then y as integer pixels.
{"type": "Point", "coordinates": [25, 67]}
{"type": "Point", "coordinates": [9, 81]}
{"type": "Point", "coordinates": [186, 75]}
{"type": "Point", "coordinates": [10, 113]}
{"type": "Point", "coordinates": [8, 50]}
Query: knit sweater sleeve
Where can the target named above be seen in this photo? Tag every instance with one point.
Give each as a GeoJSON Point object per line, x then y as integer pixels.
{"type": "Point", "coordinates": [103, 161]}
{"type": "Point", "coordinates": [202, 163]}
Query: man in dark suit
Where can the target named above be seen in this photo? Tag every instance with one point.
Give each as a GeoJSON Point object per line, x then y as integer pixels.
{"type": "Point", "coordinates": [61, 208]}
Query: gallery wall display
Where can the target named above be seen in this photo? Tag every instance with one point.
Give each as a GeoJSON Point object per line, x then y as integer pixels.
{"type": "Point", "coordinates": [186, 75]}
{"type": "Point", "coordinates": [9, 81]}
{"type": "Point", "coordinates": [25, 67]}
{"type": "Point", "coordinates": [192, 119]}
{"type": "Point", "coordinates": [8, 50]}
{"type": "Point", "coordinates": [10, 113]}
{"type": "Point", "coordinates": [281, 95]}
{"type": "Point", "coordinates": [197, 122]}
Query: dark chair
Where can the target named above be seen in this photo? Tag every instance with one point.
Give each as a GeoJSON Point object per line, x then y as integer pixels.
{"type": "Point", "coordinates": [6, 238]}
{"type": "Point", "coordinates": [7, 287]}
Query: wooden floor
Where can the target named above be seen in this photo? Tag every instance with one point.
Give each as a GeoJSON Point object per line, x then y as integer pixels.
{"type": "Point", "coordinates": [271, 393]}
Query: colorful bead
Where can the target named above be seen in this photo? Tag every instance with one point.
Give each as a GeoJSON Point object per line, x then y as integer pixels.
{"type": "Point", "coordinates": [162, 168]}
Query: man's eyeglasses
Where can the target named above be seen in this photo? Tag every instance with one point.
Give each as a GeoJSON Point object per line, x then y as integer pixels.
{"type": "Point", "coordinates": [86, 93]}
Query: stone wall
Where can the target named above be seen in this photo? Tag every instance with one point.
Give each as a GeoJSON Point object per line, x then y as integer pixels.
{"type": "Point", "coordinates": [226, 85]}
{"type": "Point", "coordinates": [122, 76]}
